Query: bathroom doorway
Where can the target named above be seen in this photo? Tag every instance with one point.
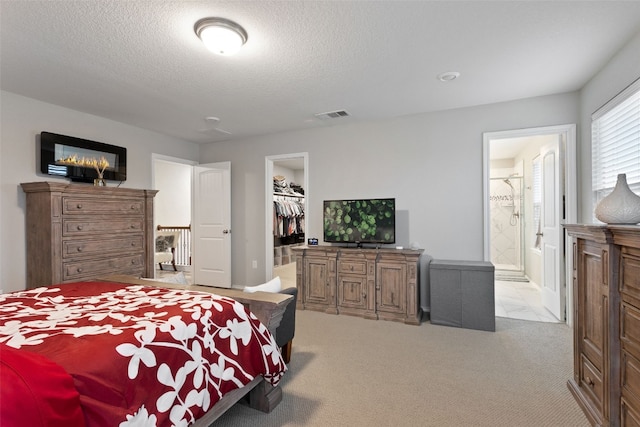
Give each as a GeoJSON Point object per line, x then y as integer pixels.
{"type": "Point", "coordinates": [520, 180]}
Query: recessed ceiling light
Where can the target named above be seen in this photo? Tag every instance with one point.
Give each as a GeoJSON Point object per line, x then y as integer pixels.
{"type": "Point", "coordinates": [448, 76]}
{"type": "Point", "coordinates": [221, 36]}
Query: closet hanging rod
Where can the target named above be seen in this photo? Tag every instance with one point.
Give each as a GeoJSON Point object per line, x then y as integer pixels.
{"type": "Point", "coordinates": [295, 196]}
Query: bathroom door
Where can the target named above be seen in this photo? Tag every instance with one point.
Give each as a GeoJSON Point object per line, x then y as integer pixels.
{"type": "Point", "coordinates": [553, 293]}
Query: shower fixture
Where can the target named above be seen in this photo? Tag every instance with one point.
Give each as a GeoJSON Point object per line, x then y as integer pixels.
{"type": "Point", "coordinates": [515, 215]}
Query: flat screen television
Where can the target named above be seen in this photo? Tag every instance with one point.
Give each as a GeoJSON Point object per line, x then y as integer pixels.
{"type": "Point", "coordinates": [67, 156]}
{"type": "Point", "coordinates": [360, 221]}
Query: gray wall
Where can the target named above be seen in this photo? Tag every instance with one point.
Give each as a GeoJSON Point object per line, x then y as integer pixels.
{"type": "Point", "coordinates": [22, 120]}
{"type": "Point", "coordinates": [431, 163]}
{"type": "Point", "coordinates": [622, 70]}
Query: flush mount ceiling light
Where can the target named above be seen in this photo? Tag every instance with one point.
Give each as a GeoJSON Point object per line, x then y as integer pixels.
{"type": "Point", "coordinates": [221, 36]}
{"type": "Point", "coordinates": [448, 76]}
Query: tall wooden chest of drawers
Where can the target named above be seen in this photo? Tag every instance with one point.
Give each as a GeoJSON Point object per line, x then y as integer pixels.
{"type": "Point", "coordinates": [606, 294]}
{"type": "Point", "coordinates": [80, 232]}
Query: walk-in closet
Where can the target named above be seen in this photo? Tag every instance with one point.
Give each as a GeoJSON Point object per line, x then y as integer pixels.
{"type": "Point", "coordinates": [288, 211]}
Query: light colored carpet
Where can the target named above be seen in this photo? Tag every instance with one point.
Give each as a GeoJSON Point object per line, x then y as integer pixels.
{"type": "Point", "coordinates": [287, 274]}
{"type": "Point", "coordinates": [348, 371]}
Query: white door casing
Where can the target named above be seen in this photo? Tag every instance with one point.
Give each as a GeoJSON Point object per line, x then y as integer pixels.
{"type": "Point", "coordinates": [567, 187]}
{"type": "Point", "coordinates": [211, 252]}
{"type": "Point", "coordinates": [553, 293]}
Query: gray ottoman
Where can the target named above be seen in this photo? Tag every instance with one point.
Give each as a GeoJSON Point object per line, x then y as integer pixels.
{"type": "Point", "coordinates": [462, 294]}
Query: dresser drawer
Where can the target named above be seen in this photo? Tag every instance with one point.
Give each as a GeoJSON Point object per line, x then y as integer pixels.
{"type": "Point", "coordinates": [121, 265]}
{"type": "Point", "coordinates": [630, 376]}
{"type": "Point", "coordinates": [123, 245]}
{"type": "Point", "coordinates": [629, 413]}
{"type": "Point", "coordinates": [630, 272]}
{"type": "Point", "coordinates": [93, 226]}
{"type": "Point", "coordinates": [591, 382]}
{"type": "Point", "coordinates": [352, 267]}
{"type": "Point", "coordinates": [630, 328]}
{"type": "Point", "coordinates": [102, 206]}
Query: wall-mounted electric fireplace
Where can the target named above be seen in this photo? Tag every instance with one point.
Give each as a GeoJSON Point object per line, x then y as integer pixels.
{"type": "Point", "coordinates": [71, 157]}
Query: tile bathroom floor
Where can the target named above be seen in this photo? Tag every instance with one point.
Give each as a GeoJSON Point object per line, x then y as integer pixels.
{"type": "Point", "coordinates": [521, 300]}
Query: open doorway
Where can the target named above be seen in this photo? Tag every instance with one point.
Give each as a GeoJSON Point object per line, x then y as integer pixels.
{"type": "Point", "coordinates": [286, 196]}
{"type": "Point", "coordinates": [172, 177]}
{"type": "Point", "coordinates": [194, 201]}
{"type": "Point", "coordinates": [523, 231]}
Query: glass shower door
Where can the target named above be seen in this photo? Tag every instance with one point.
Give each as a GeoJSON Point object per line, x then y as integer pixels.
{"type": "Point", "coordinates": [506, 203]}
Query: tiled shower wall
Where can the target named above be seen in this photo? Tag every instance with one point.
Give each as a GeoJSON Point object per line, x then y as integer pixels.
{"type": "Point", "coordinates": [506, 253]}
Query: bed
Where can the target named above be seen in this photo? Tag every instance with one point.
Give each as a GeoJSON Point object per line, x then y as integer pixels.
{"type": "Point", "coordinates": [121, 351]}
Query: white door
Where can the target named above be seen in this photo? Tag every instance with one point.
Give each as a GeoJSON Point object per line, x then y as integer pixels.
{"type": "Point", "coordinates": [553, 289]}
{"type": "Point", "coordinates": [211, 252]}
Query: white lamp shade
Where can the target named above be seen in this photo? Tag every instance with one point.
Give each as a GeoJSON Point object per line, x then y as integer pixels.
{"type": "Point", "coordinates": [221, 38]}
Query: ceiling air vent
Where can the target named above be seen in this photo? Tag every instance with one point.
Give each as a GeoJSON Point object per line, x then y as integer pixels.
{"type": "Point", "coordinates": [332, 115]}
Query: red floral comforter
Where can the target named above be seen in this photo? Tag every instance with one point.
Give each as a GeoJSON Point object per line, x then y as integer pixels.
{"type": "Point", "coordinates": [138, 355]}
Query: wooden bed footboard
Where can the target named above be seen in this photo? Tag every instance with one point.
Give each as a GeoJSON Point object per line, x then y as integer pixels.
{"type": "Point", "coordinates": [267, 307]}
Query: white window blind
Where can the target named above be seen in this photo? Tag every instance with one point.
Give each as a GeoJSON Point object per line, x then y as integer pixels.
{"type": "Point", "coordinates": [615, 133]}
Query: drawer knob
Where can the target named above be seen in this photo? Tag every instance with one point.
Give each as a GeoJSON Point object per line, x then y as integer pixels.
{"type": "Point", "coordinates": [133, 243]}
{"type": "Point", "coordinates": [79, 248]}
{"type": "Point", "coordinates": [133, 207]}
{"type": "Point", "coordinates": [589, 381]}
{"type": "Point", "coordinates": [133, 261]}
{"type": "Point", "coordinates": [79, 228]}
{"type": "Point", "coordinates": [79, 206]}
{"type": "Point", "coordinates": [79, 269]}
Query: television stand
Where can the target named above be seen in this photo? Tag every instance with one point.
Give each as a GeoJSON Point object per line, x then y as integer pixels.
{"type": "Point", "coordinates": [374, 283]}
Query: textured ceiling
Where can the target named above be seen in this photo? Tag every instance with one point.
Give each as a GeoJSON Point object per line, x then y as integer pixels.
{"type": "Point", "coordinates": [140, 62]}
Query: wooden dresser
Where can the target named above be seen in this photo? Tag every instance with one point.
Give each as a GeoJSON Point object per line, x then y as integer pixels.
{"type": "Point", "coordinates": [606, 288]}
{"type": "Point", "coordinates": [370, 283]}
{"type": "Point", "coordinates": [79, 232]}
